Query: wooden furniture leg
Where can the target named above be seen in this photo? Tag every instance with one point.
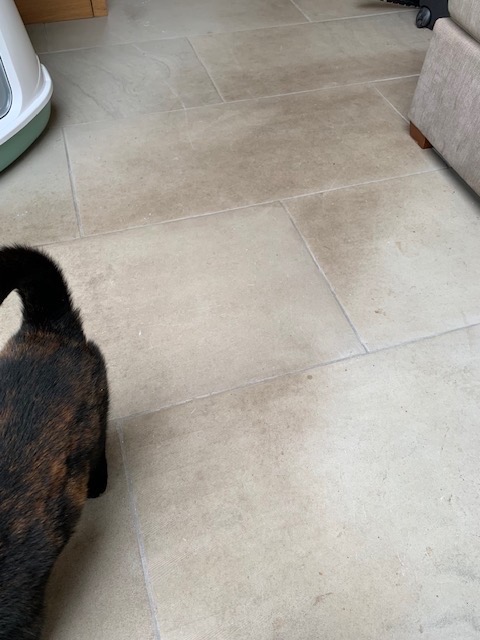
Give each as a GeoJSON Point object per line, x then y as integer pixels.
{"type": "Point", "coordinates": [419, 138]}
{"type": "Point", "coordinates": [99, 8]}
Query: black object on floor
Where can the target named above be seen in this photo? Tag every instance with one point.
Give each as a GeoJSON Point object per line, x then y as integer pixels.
{"type": "Point", "coordinates": [429, 10]}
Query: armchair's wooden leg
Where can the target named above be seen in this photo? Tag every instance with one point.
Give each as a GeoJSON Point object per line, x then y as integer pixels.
{"type": "Point", "coordinates": [419, 138]}
{"type": "Point", "coordinates": [99, 7]}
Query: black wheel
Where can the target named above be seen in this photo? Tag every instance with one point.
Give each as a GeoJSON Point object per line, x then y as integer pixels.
{"type": "Point", "coordinates": [423, 17]}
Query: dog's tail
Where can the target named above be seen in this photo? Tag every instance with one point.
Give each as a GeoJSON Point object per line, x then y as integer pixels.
{"type": "Point", "coordinates": [47, 304]}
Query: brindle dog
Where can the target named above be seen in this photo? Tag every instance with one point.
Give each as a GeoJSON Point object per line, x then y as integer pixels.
{"type": "Point", "coordinates": [53, 419]}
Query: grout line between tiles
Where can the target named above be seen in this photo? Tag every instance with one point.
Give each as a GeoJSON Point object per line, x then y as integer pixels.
{"type": "Point", "coordinates": [339, 87]}
{"type": "Point", "coordinates": [363, 184]}
{"type": "Point", "coordinates": [294, 372]}
{"type": "Point", "coordinates": [432, 336]}
{"type": "Point", "coordinates": [301, 11]}
{"type": "Point", "coordinates": [185, 36]}
{"type": "Point", "coordinates": [386, 12]}
{"type": "Point", "coordinates": [322, 273]}
{"type": "Point", "coordinates": [139, 535]}
{"type": "Point", "coordinates": [381, 80]}
{"type": "Point", "coordinates": [206, 70]}
{"type": "Point", "coordinates": [318, 89]}
{"type": "Point", "coordinates": [245, 385]}
{"type": "Point", "coordinates": [389, 103]}
{"type": "Point", "coordinates": [72, 187]}
{"type": "Point", "coordinates": [195, 216]}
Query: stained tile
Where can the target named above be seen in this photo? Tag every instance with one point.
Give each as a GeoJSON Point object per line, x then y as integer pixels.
{"type": "Point", "coordinates": [345, 500]}
{"type": "Point", "coordinates": [185, 309]}
{"type": "Point", "coordinates": [97, 589]}
{"type": "Point", "coordinates": [313, 56]}
{"type": "Point", "coordinates": [402, 255]}
{"type": "Point", "coordinates": [36, 203]}
{"type": "Point", "coordinates": [136, 20]}
{"type": "Point", "coordinates": [177, 164]}
{"type": "Point", "coordinates": [327, 10]}
{"type": "Point", "coordinates": [124, 80]}
{"type": "Point", "coordinates": [340, 503]}
{"type": "Point", "coordinates": [399, 93]}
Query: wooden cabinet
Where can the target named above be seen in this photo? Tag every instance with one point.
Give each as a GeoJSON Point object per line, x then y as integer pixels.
{"type": "Point", "coordinates": [53, 10]}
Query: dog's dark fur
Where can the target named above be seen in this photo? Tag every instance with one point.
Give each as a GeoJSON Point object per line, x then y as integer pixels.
{"type": "Point", "coordinates": [53, 416]}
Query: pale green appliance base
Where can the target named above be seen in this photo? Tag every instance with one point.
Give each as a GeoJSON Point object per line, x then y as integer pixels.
{"type": "Point", "coordinates": [17, 144]}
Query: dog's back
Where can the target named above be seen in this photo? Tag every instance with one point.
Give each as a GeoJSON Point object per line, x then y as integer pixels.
{"type": "Point", "coordinates": [53, 412]}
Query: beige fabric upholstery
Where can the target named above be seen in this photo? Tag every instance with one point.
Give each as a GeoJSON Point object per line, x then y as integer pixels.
{"type": "Point", "coordinates": [446, 105]}
{"type": "Point", "coordinates": [466, 14]}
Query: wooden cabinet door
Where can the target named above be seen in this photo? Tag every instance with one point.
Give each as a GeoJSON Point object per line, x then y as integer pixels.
{"type": "Point", "coordinates": [52, 10]}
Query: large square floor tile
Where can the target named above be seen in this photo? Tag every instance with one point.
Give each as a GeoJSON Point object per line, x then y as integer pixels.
{"type": "Point", "coordinates": [189, 308]}
{"type": "Point", "coordinates": [331, 9]}
{"type": "Point", "coordinates": [313, 56]}
{"type": "Point", "coordinates": [399, 93]}
{"type": "Point", "coordinates": [402, 255]}
{"type": "Point", "coordinates": [342, 504]}
{"type": "Point", "coordinates": [36, 203]}
{"type": "Point", "coordinates": [124, 80]}
{"type": "Point", "coordinates": [136, 20]}
{"type": "Point", "coordinates": [97, 589]}
{"type": "Point", "coordinates": [170, 165]}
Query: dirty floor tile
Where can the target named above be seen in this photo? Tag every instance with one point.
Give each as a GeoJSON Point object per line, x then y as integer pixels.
{"type": "Point", "coordinates": [402, 255]}
{"type": "Point", "coordinates": [287, 485]}
{"type": "Point", "coordinates": [124, 80]}
{"type": "Point", "coordinates": [136, 20]}
{"type": "Point", "coordinates": [330, 10]}
{"type": "Point", "coordinates": [193, 307]}
{"type": "Point", "coordinates": [399, 93]}
{"type": "Point", "coordinates": [97, 589]}
{"type": "Point", "coordinates": [36, 203]}
{"type": "Point", "coordinates": [345, 500]}
{"type": "Point", "coordinates": [313, 56]}
{"type": "Point", "coordinates": [171, 165]}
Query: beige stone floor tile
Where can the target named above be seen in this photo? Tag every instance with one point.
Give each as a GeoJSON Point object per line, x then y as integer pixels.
{"type": "Point", "coordinates": [171, 165]}
{"type": "Point", "coordinates": [97, 590]}
{"type": "Point", "coordinates": [332, 9]}
{"type": "Point", "coordinates": [80, 34]}
{"type": "Point", "coordinates": [125, 80]}
{"type": "Point", "coordinates": [38, 37]}
{"type": "Point", "coordinates": [399, 93]}
{"type": "Point", "coordinates": [136, 20]}
{"type": "Point", "coordinates": [189, 308]}
{"type": "Point", "coordinates": [264, 62]}
{"type": "Point", "coordinates": [343, 501]}
{"type": "Point", "coordinates": [402, 255]}
{"type": "Point", "coordinates": [36, 203]}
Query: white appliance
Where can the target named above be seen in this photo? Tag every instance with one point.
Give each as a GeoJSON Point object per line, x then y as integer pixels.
{"type": "Point", "coordinates": [25, 87]}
